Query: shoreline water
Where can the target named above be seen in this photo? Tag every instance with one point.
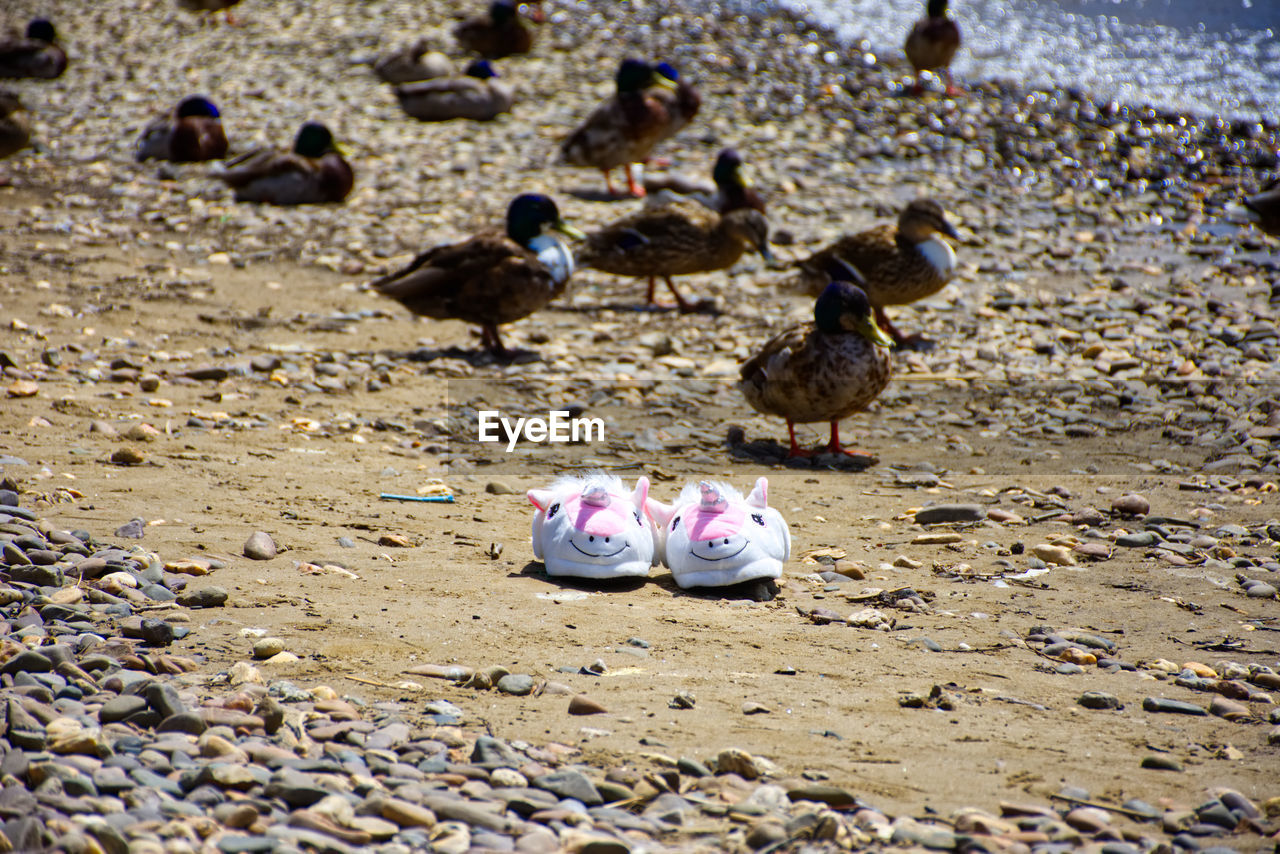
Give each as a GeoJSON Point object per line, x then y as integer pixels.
{"type": "Point", "coordinates": [1182, 57]}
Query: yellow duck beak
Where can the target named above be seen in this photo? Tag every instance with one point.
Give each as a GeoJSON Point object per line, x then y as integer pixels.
{"type": "Point", "coordinates": [566, 229]}
{"type": "Point", "coordinates": [867, 328]}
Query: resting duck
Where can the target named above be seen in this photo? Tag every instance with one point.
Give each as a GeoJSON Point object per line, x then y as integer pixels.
{"type": "Point", "coordinates": [499, 33]}
{"type": "Point", "coordinates": [478, 94]}
{"type": "Point", "coordinates": [492, 278]}
{"type": "Point", "coordinates": [191, 132]}
{"type": "Point", "coordinates": [825, 370]}
{"type": "Point", "coordinates": [901, 264]}
{"type": "Point", "coordinates": [210, 6]}
{"type": "Point", "coordinates": [314, 172]}
{"type": "Point", "coordinates": [35, 55]}
{"type": "Point", "coordinates": [730, 191]}
{"type": "Point", "coordinates": [412, 63]}
{"type": "Point", "coordinates": [675, 239]}
{"type": "Point", "coordinates": [1261, 209]}
{"type": "Point", "coordinates": [932, 44]}
{"type": "Point", "coordinates": [624, 129]}
{"type": "Point", "coordinates": [15, 128]}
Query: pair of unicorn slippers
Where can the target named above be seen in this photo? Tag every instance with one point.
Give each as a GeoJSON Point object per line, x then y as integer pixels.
{"type": "Point", "coordinates": [592, 527]}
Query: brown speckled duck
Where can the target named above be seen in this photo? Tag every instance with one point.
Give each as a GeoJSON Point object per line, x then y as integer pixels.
{"type": "Point", "coordinates": [412, 63]}
{"type": "Point", "coordinates": [493, 278]}
{"type": "Point", "coordinates": [498, 33]}
{"type": "Point", "coordinates": [624, 129]}
{"type": "Point", "coordinates": [478, 95]}
{"type": "Point", "coordinates": [35, 55]}
{"type": "Point", "coordinates": [675, 239]}
{"type": "Point", "coordinates": [901, 264]}
{"type": "Point", "coordinates": [190, 133]}
{"type": "Point", "coordinates": [825, 370]}
{"type": "Point", "coordinates": [932, 44]}
{"type": "Point", "coordinates": [314, 172]}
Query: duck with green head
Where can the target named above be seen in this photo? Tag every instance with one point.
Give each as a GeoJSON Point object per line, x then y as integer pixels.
{"type": "Point", "coordinates": [932, 44]}
{"type": "Point", "coordinates": [825, 370]}
{"type": "Point", "coordinates": [624, 129]}
{"type": "Point", "coordinates": [494, 277]}
{"type": "Point", "coordinates": [499, 33]}
{"type": "Point", "coordinates": [37, 54]}
{"type": "Point", "coordinates": [478, 95]}
{"type": "Point", "coordinates": [190, 133]}
{"type": "Point", "coordinates": [313, 173]}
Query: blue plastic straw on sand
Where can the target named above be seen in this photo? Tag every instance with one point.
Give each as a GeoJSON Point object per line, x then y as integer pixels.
{"type": "Point", "coordinates": [434, 499]}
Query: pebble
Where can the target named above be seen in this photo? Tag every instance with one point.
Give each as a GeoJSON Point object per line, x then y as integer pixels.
{"type": "Point", "coordinates": [1131, 504]}
{"type": "Point", "coordinates": [580, 705]}
{"type": "Point", "coordinates": [1160, 704]}
{"type": "Point", "coordinates": [260, 546]}
{"type": "Point", "coordinates": [268, 647]}
{"type": "Point", "coordinates": [941, 513]}
{"type": "Point", "coordinates": [1099, 700]}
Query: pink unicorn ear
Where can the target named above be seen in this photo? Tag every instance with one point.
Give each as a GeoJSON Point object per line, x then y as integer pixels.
{"type": "Point", "coordinates": [657, 511]}
{"type": "Point", "coordinates": [759, 496]}
{"type": "Point", "coordinates": [641, 493]}
{"type": "Point", "coordinates": [540, 498]}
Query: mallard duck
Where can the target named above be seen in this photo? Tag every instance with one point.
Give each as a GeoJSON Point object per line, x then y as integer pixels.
{"type": "Point", "coordinates": [493, 278]}
{"type": "Point", "coordinates": [191, 132]}
{"type": "Point", "coordinates": [15, 129]}
{"type": "Point", "coordinates": [624, 129]}
{"type": "Point", "coordinates": [682, 100]}
{"type": "Point", "coordinates": [932, 44]}
{"type": "Point", "coordinates": [675, 239]}
{"type": "Point", "coordinates": [1262, 209]}
{"type": "Point", "coordinates": [902, 263]}
{"type": "Point", "coordinates": [730, 190]}
{"type": "Point", "coordinates": [412, 63]}
{"type": "Point", "coordinates": [499, 33]}
{"type": "Point", "coordinates": [314, 172]}
{"type": "Point", "coordinates": [211, 6]}
{"type": "Point", "coordinates": [825, 370]}
{"type": "Point", "coordinates": [35, 55]}
{"type": "Point", "coordinates": [478, 94]}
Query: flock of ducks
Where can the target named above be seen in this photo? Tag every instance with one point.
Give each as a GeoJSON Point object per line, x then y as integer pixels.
{"type": "Point", "coordinates": [822, 371]}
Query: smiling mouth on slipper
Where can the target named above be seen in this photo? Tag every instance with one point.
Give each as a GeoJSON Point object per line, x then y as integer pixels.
{"type": "Point", "coordinates": [722, 557]}
{"type": "Point", "coordinates": [590, 554]}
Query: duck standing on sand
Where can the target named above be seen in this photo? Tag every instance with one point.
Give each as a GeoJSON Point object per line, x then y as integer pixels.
{"type": "Point", "coordinates": [825, 370]}
{"type": "Point", "coordinates": [624, 129]}
{"type": "Point", "coordinates": [34, 55]}
{"type": "Point", "coordinates": [901, 264]}
{"type": "Point", "coordinates": [676, 239]}
{"type": "Point", "coordinates": [478, 95]}
{"type": "Point", "coordinates": [1262, 209]}
{"type": "Point", "coordinates": [493, 278]}
{"type": "Point", "coordinates": [313, 173]}
{"type": "Point", "coordinates": [192, 132]}
{"type": "Point", "coordinates": [412, 63]}
{"type": "Point", "coordinates": [499, 33]}
{"type": "Point", "coordinates": [932, 44]}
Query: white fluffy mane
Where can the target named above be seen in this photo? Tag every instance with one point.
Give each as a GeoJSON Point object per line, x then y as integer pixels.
{"type": "Point", "coordinates": [571, 484]}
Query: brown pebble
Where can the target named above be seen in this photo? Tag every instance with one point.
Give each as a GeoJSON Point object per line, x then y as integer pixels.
{"type": "Point", "coordinates": [1229, 709]}
{"type": "Point", "coordinates": [127, 457]}
{"type": "Point", "coordinates": [581, 705]}
{"type": "Point", "coordinates": [1131, 504]}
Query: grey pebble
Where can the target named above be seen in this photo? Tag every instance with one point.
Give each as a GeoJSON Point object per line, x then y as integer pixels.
{"type": "Point", "coordinates": [260, 546]}
{"type": "Point", "coordinates": [941, 513]}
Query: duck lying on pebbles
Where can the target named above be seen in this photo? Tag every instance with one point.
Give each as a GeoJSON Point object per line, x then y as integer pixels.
{"type": "Point", "coordinates": [1262, 209]}
{"type": "Point", "coordinates": [901, 264]}
{"type": "Point", "coordinates": [624, 129]}
{"type": "Point", "coordinates": [412, 63]}
{"type": "Point", "coordinates": [676, 239]}
{"type": "Point", "coordinates": [191, 132]}
{"type": "Point", "coordinates": [825, 370]}
{"type": "Point", "coordinates": [478, 95]}
{"type": "Point", "coordinates": [314, 172]}
{"type": "Point", "coordinates": [493, 278]}
{"type": "Point", "coordinates": [498, 33]}
{"type": "Point", "coordinates": [35, 55]}
{"type": "Point", "coordinates": [208, 7]}
{"type": "Point", "coordinates": [731, 190]}
{"type": "Point", "coordinates": [932, 44]}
